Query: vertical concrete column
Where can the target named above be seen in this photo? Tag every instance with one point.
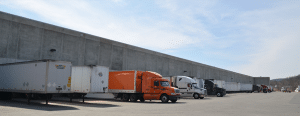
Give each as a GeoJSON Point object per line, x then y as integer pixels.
{"type": "Point", "coordinates": [42, 43]}
{"type": "Point", "coordinates": [124, 67]}
{"type": "Point", "coordinates": [83, 46]}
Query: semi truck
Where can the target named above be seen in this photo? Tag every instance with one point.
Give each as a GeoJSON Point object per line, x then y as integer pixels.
{"type": "Point", "coordinates": [88, 80]}
{"type": "Point", "coordinates": [297, 89]}
{"type": "Point", "coordinates": [35, 79]}
{"type": "Point", "coordinates": [187, 86]}
{"type": "Point", "coordinates": [256, 88]}
{"type": "Point", "coordinates": [215, 87]}
{"type": "Point", "coordinates": [141, 85]}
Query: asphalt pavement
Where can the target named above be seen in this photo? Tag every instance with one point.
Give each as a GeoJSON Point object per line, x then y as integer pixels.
{"type": "Point", "coordinates": [239, 104]}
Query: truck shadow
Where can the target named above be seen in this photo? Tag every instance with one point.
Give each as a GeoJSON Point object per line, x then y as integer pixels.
{"type": "Point", "coordinates": [53, 105]}
{"type": "Point", "coordinates": [35, 105]}
{"type": "Point", "coordinates": [146, 101]}
{"type": "Point", "coordinates": [86, 103]}
{"type": "Point", "coordinates": [191, 98]}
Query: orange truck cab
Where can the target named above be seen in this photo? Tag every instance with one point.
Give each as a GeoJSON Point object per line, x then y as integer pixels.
{"type": "Point", "coordinates": [141, 85]}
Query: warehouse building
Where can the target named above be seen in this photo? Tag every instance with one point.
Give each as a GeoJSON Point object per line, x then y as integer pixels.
{"type": "Point", "coordinates": [26, 39]}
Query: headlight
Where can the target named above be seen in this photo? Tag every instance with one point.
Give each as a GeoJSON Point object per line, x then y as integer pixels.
{"type": "Point", "coordinates": [173, 93]}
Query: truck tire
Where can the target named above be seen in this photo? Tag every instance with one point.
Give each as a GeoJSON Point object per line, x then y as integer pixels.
{"type": "Point", "coordinates": [142, 99]}
{"type": "Point", "coordinates": [219, 95]}
{"type": "Point", "coordinates": [201, 97]}
{"type": "Point", "coordinates": [133, 98]}
{"type": "Point", "coordinates": [5, 96]}
{"type": "Point", "coordinates": [196, 96]}
{"type": "Point", "coordinates": [164, 98]}
{"type": "Point", "coordinates": [44, 96]}
{"type": "Point", "coordinates": [173, 101]}
{"type": "Point", "coordinates": [125, 97]}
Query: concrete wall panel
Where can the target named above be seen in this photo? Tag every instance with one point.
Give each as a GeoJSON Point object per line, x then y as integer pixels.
{"type": "Point", "coordinates": [172, 67]}
{"type": "Point", "coordinates": [165, 70]}
{"type": "Point", "coordinates": [105, 54]}
{"type": "Point", "coordinates": [151, 62]}
{"type": "Point", "coordinates": [71, 49]}
{"type": "Point", "coordinates": [117, 58]}
{"type": "Point", "coordinates": [141, 57]}
{"type": "Point", "coordinates": [52, 40]}
{"type": "Point", "coordinates": [5, 33]}
{"type": "Point", "coordinates": [131, 60]}
{"type": "Point", "coordinates": [159, 64]}
{"type": "Point", "coordinates": [91, 52]}
{"type": "Point", "coordinates": [29, 43]}
{"type": "Point", "coordinates": [12, 45]}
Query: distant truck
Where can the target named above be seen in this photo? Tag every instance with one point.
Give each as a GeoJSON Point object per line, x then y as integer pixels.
{"type": "Point", "coordinates": [215, 87]}
{"type": "Point", "coordinates": [297, 89]}
{"type": "Point", "coordinates": [256, 88]}
{"type": "Point", "coordinates": [286, 89]}
{"type": "Point", "coordinates": [35, 79]}
{"type": "Point", "coordinates": [141, 85]}
{"type": "Point", "coordinates": [188, 87]}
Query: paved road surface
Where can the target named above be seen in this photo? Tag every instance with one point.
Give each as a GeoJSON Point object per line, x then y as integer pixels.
{"type": "Point", "coordinates": [240, 104]}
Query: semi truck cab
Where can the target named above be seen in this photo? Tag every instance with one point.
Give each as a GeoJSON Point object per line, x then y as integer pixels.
{"type": "Point", "coordinates": [188, 87]}
{"type": "Point", "coordinates": [158, 88]}
{"type": "Point", "coordinates": [141, 85]}
{"type": "Point", "coordinates": [214, 88]}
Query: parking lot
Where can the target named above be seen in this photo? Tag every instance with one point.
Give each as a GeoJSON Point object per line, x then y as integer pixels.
{"type": "Point", "coordinates": [246, 104]}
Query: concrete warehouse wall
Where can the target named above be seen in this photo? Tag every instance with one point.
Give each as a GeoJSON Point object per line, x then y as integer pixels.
{"type": "Point", "coordinates": [25, 39]}
{"type": "Point", "coordinates": [262, 80]}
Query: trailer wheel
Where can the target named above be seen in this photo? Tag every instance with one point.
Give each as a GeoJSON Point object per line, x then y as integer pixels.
{"type": "Point", "coordinates": [196, 96]}
{"type": "Point", "coordinates": [201, 97]}
{"type": "Point", "coordinates": [5, 96]}
{"type": "Point", "coordinates": [44, 96]}
{"type": "Point", "coordinates": [142, 99]}
{"type": "Point", "coordinates": [133, 98]}
{"type": "Point", "coordinates": [173, 101]}
{"type": "Point", "coordinates": [125, 97]}
{"type": "Point", "coordinates": [164, 99]}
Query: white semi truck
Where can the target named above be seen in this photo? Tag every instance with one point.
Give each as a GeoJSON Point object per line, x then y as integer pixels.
{"type": "Point", "coordinates": [188, 87]}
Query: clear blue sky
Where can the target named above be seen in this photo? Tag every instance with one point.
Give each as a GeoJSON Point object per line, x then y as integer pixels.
{"type": "Point", "coordinates": [252, 37]}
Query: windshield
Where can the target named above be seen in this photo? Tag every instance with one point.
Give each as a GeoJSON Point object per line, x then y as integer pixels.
{"type": "Point", "coordinates": [195, 85]}
{"type": "Point", "coordinates": [164, 83]}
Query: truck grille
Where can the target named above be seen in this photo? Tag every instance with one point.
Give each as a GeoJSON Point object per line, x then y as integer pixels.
{"type": "Point", "coordinates": [177, 91]}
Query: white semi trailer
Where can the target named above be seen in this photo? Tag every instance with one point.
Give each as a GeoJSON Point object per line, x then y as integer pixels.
{"type": "Point", "coordinates": [41, 78]}
{"type": "Point", "coordinates": [246, 87]}
{"type": "Point", "coordinates": [89, 80]}
{"type": "Point", "coordinates": [232, 87]}
{"type": "Point", "coordinates": [188, 87]}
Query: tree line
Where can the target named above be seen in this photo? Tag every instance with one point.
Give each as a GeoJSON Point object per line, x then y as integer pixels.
{"type": "Point", "coordinates": [291, 83]}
